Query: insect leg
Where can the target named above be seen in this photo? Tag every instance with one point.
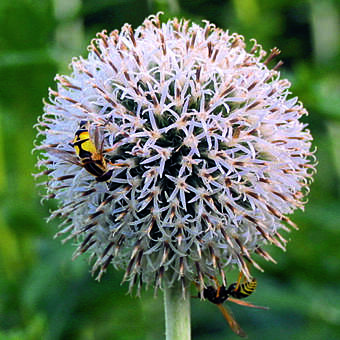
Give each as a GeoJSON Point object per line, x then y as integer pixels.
{"type": "Point", "coordinates": [239, 280]}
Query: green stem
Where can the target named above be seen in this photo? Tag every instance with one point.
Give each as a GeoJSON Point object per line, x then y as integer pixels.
{"type": "Point", "coordinates": [177, 314]}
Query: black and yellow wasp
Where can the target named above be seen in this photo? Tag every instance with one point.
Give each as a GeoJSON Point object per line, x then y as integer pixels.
{"type": "Point", "coordinates": [88, 147]}
{"type": "Point", "coordinates": [233, 293]}
{"type": "Point", "coordinates": [89, 150]}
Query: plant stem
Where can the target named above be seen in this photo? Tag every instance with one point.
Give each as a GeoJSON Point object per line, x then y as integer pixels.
{"type": "Point", "coordinates": [177, 313]}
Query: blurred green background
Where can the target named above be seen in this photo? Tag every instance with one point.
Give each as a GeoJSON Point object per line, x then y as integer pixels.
{"type": "Point", "coordinates": [44, 295]}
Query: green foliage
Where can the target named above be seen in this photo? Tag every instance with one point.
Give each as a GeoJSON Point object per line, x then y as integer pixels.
{"type": "Point", "coordinates": [46, 296]}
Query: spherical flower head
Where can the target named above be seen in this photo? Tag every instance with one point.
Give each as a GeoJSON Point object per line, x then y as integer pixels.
{"type": "Point", "coordinates": [175, 153]}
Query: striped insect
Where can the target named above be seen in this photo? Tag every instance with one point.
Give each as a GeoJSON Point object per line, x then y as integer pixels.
{"type": "Point", "coordinates": [88, 143]}
{"type": "Point", "coordinates": [89, 149]}
{"type": "Point", "coordinates": [233, 293]}
{"type": "Point", "coordinates": [242, 290]}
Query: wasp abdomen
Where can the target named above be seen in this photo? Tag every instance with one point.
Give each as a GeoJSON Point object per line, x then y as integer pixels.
{"type": "Point", "coordinates": [243, 290]}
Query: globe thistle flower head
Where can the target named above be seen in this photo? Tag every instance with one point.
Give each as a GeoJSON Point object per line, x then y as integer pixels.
{"type": "Point", "coordinates": [174, 148]}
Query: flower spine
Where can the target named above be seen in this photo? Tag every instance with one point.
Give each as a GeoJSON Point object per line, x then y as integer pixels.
{"type": "Point", "coordinates": [201, 143]}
